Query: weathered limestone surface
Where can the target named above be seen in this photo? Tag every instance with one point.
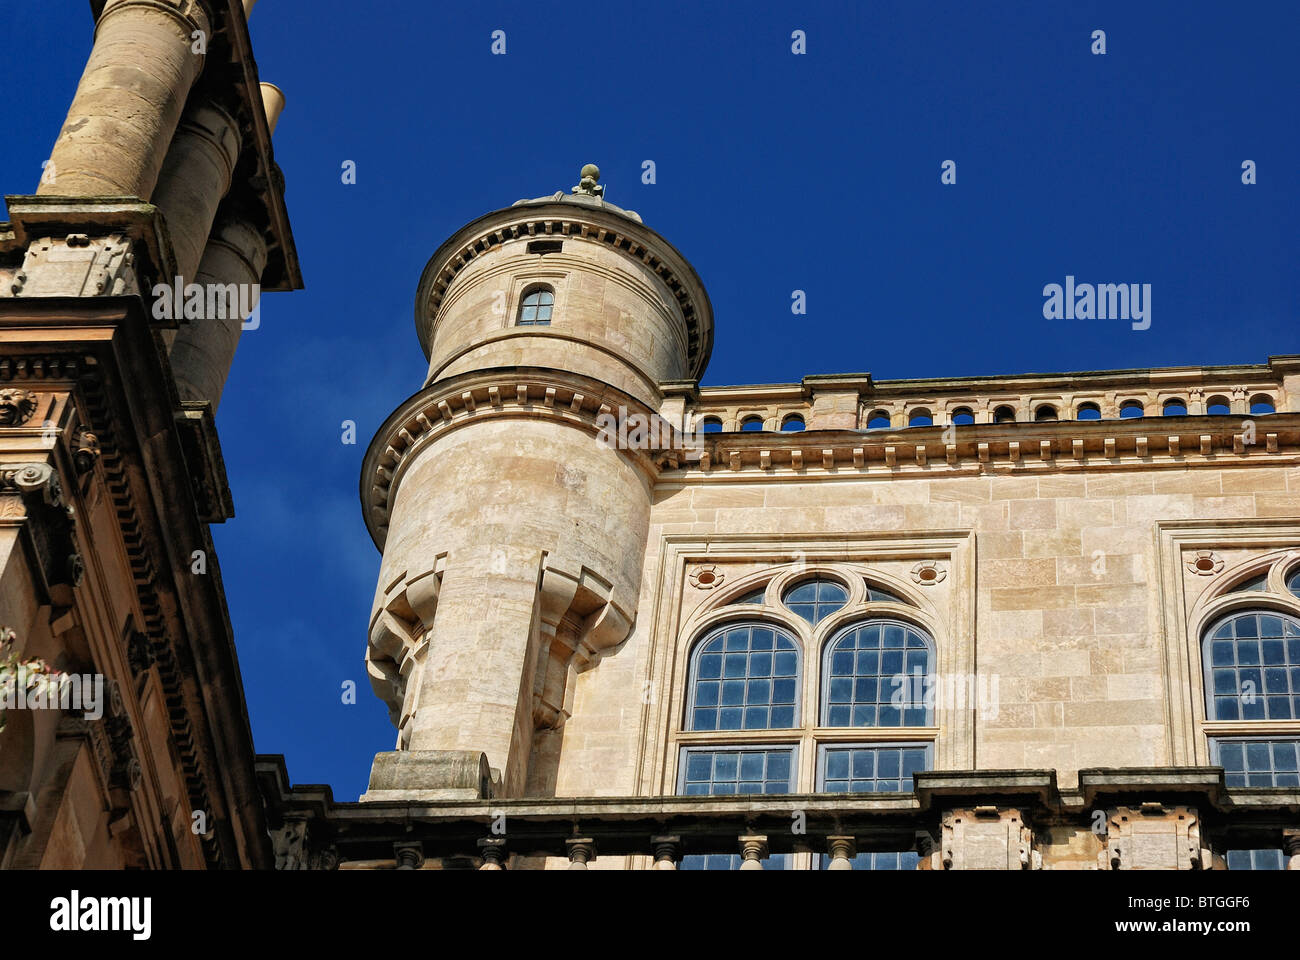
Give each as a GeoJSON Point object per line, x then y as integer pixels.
{"type": "Point", "coordinates": [129, 101]}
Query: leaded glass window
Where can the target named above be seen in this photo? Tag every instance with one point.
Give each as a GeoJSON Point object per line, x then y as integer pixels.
{"type": "Point", "coordinates": [535, 310]}
{"type": "Point", "coordinates": [1252, 668]}
{"type": "Point", "coordinates": [1258, 763]}
{"type": "Point", "coordinates": [876, 595]}
{"type": "Point", "coordinates": [1255, 860]}
{"type": "Point", "coordinates": [745, 677]}
{"type": "Point", "coordinates": [887, 768]}
{"type": "Point", "coordinates": [878, 674]}
{"type": "Point", "coordinates": [720, 771]}
{"type": "Point", "coordinates": [814, 600]}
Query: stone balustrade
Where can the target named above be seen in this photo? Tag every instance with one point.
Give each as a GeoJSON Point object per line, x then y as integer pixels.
{"type": "Point", "coordinates": [1149, 818]}
{"type": "Point", "coordinates": [858, 402]}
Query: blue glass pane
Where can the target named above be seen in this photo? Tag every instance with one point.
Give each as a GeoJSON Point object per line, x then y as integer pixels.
{"type": "Point", "coordinates": [1254, 665]}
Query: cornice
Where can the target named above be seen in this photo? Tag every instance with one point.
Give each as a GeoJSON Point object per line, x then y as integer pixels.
{"type": "Point", "coordinates": [932, 452]}
{"type": "Point", "coordinates": [502, 393]}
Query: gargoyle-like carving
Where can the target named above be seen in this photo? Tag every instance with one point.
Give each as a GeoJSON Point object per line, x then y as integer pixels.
{"type": "Point", "coordinates": [16, 406]}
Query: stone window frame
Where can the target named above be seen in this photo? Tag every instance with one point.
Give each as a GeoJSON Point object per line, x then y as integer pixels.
{"type": "Point", "coordinates": [673, 632]}
{"type": "Point", "coordinates": [1190, 609]}
{"type": "Point", "coordinates": [524, 281]}
{"type": "Point", "coordinates": [528, 291]}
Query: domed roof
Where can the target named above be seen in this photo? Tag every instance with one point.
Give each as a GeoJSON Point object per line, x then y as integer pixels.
{"type": "Point", "coordinates": [588, 193]}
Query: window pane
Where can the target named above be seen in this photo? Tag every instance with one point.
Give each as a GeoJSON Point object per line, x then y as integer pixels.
{"type": "Point", "coordinates": [1252, 667]}
{"type": "Point", "coordinates": [815, 600]}
{"type": "Point", "coordinates": [1258, 762]}
{"type": "Point", "coordinates": [866, 686]}
{"type": "Point", "coordinates": [736, 689]}
{"type": "Point", "coordinates": [887, 768]}
{"type": "Point", "coordinates": [728, 771]}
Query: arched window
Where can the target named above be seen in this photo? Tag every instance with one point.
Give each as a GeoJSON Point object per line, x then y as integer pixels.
{"type": "Point", "coordinates": [1045, 413]}
{"type": "Point", "coordinates": [1293, 582]}
{"type": "Point", "coordinates": [752, 423]}
{"type": "Point", "coordinates": [711, 425]}
{"type": "Point", "coordinates": [1262, 404]}
{"type": "Point", "coordinates": [876, 674]}
{"type": "Point", "coordinates": [792, 424]}
{"type": "Point", "coordinates": [1130, 409]}
{"type": "Point", "coordinates": [1004, 415]}
{"type": "Point", "coordinates": [1175, 408]}
{"type": "Point", "coordinates": [963, 417]}
{"type": "Point", "coordinates": [744, 677]}
{"type": "Point", "coordinates": [1089, 411]}
{"type": "Point", "coordinates": [1218, 407]}
{"type": "Point", "coordinates": [878, 420]}
{"type": "Point", "coordinates": [814, 600]}
{"type": "Point", "coordinates": [535, 308]}
{"type": "Point", "coordinates": [878, 595]}
{"type": "Point", "coordinates": [1252, 667]}
{"type": "Point", "coordinates": [920, 418]}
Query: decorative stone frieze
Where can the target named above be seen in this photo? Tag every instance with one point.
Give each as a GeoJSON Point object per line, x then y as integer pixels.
{"type": "Point", "coordinates": [76, 265]}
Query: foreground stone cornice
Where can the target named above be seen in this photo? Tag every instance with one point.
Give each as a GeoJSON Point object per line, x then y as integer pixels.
{"type": "Point", "coordinates": [101, 355]}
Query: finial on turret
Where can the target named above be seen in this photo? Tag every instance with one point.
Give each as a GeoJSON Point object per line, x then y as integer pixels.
{"type": "Point", "coordinates": [590, 174]}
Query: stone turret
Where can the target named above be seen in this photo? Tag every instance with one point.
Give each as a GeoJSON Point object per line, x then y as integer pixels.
{"type": "Point", "coordinates": [513, 538]}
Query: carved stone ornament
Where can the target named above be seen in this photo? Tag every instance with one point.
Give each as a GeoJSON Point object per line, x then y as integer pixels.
{"type": "Point", "coordinates": [1204, 563]}
{"type": "Point", "coordinates": [707, 577]}
{"type": "Point", "coordinates": [927, 573]}
{"type": "Point", "coordinates": [16, 406]}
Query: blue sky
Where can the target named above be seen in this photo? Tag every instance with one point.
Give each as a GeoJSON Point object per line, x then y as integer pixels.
{"type": "Point", "coordinates": [775, 172]}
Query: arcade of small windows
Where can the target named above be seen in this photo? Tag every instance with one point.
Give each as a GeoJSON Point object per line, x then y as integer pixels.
{"type": "Point", "coordinates": [752, 709]}
{"type": "Point", "coordinates": [535, 308]}
{"type": "Point", "coordinates": [1259, 405]}
{"type": "Point", "coordinates": [1250, 656]}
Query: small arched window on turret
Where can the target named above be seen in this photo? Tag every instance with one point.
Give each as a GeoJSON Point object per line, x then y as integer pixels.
{"type": "Point", "coordinates": [535, 308]}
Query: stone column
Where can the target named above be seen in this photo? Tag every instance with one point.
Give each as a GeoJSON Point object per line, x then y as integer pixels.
{"type": "Point", "coordinates": [842, 851]}
{"type": "Point", "coordinates": [129, 101]}
{"type": "Point", "coordinates": [493, 851]}
{"type": "Point", "coordinates": [667, 851]}
{"type": "Point", "coordinates": [195, 178]}
{"type": "Point", "coordinates": [581, 852]}
{"type": "Point", "coordinates": [474, 686]}
{"type": "Point", "coordinates": [753, 849]}
{"type": "Point", "coordinates": [204, 349]}
{"type": "Point", "coordinates": [273, 103]}
{"type": "Point", "coordinates": [409, 856]}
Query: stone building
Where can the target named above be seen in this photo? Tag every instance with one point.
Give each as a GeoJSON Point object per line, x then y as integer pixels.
{"type": "Point", "coordinates": [622, 620]}
{"type": "Point", "coordinates": [163, 176]}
